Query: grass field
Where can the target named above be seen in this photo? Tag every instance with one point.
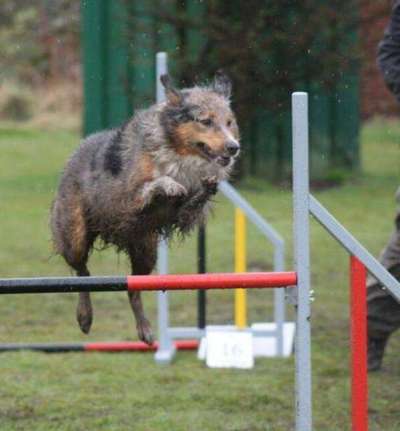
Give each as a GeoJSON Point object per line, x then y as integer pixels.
{"type": "Point", "coordinates": [40, 392]}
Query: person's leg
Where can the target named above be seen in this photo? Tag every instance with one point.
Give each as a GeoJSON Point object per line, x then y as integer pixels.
{"type": "Point", "coordinates": [383, 309]}
{"type": "Point", "coordinates": [383, 320]}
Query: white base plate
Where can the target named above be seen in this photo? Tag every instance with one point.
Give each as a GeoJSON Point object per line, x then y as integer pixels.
{"type": "Point", "coordinates": [264, 346]}
{"type": "Point", "coordinates": [165, 356]}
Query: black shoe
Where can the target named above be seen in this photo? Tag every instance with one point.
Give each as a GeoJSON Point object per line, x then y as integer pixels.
{"type": "Point", "coordinates": [376, 349]}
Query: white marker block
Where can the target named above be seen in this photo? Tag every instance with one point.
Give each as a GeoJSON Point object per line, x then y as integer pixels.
{"type": "Point", "coordinates": [229, 348]}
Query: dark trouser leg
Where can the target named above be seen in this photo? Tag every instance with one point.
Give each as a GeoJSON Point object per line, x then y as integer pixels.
{"type": "Point", "coordinates": [383, 320]}
{"type": "Point", "coordinates": [383, 309]}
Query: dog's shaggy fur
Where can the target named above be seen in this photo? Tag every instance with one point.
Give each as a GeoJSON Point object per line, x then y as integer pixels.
{"type": "Point", "coordinates": [153, 175]}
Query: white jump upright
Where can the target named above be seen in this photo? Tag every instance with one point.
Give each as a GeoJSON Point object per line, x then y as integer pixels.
{"type": "Point", "coordinates": [166, 347]}
{"type": "Point", "coordinates": [301, 209]}
{"type": "Point", "coordinates": [302, 260]}
{"type": "Point", "coordinates": [167, 334]}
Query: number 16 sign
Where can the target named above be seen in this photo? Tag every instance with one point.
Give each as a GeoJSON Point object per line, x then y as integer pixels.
{"type": "Point", "coordinates": [229, 348]}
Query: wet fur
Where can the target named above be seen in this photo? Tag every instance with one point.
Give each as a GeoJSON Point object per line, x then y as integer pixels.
{"type": "Point", "coordinates": [147, 178]}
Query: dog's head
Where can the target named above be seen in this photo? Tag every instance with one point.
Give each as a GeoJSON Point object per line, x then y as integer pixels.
{"type": "Point", "coordinates": [199, 121]}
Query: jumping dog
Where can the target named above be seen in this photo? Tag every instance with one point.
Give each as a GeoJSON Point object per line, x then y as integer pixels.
{"type": "Point", "coordinates": [154, 175]}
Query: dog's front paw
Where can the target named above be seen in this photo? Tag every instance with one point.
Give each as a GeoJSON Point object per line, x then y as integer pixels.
{"type": "Point", "coordinates": [210, 184]}
{"type": "Point", "coordinates": [161, 189]}
{"type": "Point", "coordinates": [174, 189]}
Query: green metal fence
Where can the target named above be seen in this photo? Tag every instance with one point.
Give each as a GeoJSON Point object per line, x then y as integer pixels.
{"type": "Point", "coordinates": [119, 60]}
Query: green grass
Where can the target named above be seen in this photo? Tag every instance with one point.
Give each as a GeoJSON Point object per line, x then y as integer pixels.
{"type": "Point", "coordinates": [127, 391]}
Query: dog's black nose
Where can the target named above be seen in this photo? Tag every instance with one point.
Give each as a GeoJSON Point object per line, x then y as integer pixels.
{"type": "Point", "coordinates": [232, 147]}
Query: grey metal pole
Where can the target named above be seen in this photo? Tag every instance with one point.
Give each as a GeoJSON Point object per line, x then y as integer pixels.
{"type": "Point", "coordinates": [302, 260]}
{"type": "Point", "coordinates": [165, 350]}
{"type": "Point", "coordinates": [279, 300]}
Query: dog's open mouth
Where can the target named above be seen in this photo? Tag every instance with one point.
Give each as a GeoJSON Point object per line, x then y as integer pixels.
{"type": "Point", "coordinates": [205, 150]}
{"type": "Point", "coordinates": [223, 160]}
{"type": "Point", "coordinates": [209, 155]}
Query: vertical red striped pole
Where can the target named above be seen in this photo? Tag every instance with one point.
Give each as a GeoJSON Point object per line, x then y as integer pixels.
{"type": "Point", "coordinates": [358, 328]}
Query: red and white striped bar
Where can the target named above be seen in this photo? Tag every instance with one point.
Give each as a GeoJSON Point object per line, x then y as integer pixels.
{"type": "Point", "coordinates": [243, 280]}
{"type": "Point", "coordinates": [100, 346]}
{"type": "Point", "coordinates": [148, 282]}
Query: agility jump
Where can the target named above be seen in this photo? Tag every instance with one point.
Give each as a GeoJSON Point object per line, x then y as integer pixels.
{"type": "Point", "coordinates": [167, 334]}
{"type": "Point", "coordinates": [299, 281]}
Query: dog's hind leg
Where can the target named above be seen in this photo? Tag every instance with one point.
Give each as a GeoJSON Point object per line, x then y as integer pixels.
{"type": "Point", "coordinates": [73, 241]}
{"type": "Point", "coordinates": [143, 259]}
{"type": "Point", "coordinates": [84, 310]}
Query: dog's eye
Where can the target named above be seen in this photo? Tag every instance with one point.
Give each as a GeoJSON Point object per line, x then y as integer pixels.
{"type": "Point", "coordinates": [206, 122]}
{"type": "Point", "coordinates": [229, 123]}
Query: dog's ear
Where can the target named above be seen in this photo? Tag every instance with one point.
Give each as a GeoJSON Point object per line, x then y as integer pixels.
{"type": "Point", "coordinates": [222, 84]}
{"type": "Point", "coordinates": [173, 95]}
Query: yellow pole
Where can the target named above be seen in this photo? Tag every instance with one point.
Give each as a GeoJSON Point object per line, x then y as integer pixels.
{"type": "Point", "coordinates": [240, 266]}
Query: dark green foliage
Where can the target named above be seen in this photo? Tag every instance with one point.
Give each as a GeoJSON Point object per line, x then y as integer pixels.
{"type": "Point", "coordinates": [269, 48]}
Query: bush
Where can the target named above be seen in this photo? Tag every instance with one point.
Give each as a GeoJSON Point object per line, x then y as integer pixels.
{"type": "Point", "coordinates": [15, 102]}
